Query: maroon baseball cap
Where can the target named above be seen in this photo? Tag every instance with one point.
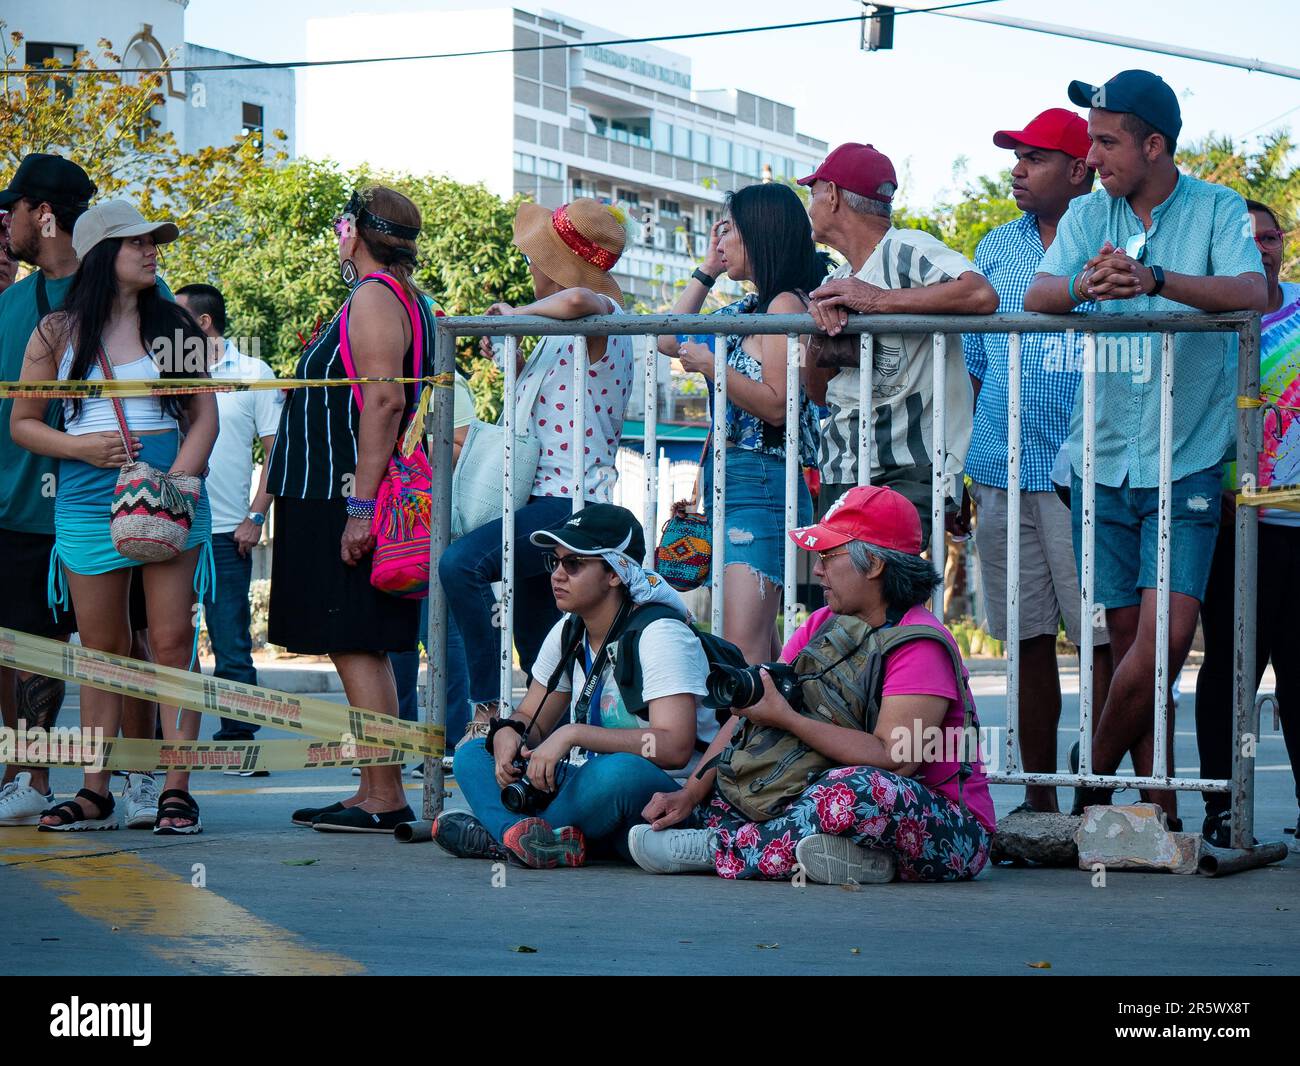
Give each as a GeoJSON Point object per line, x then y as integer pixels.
{"type": "Point", "coordinates": [873, 513]}
{"type": "Point", "coordinates": [858, 168]}
{"type": "Point", "coordinates": [1056, 128]}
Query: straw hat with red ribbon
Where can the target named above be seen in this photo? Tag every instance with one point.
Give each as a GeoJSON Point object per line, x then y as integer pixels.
{"type": "Point", "coordinates": [575, 245]}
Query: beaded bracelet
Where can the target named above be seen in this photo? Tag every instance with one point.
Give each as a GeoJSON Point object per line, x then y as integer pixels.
{"type": "Point", "coordinates": [359, 508]}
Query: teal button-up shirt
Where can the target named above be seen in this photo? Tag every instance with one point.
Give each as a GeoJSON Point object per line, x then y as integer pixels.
{"type": "Point", "coordinates": [1201, 229]}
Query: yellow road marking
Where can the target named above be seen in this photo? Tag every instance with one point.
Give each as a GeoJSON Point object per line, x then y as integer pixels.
{"type": "Point", "coordinates": [174, 920]}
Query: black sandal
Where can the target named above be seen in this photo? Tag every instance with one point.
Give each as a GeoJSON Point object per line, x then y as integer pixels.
{"type": "Point", "coordinates": [73, 820]}
{"type": "Point", "coordinates": [181, 806]}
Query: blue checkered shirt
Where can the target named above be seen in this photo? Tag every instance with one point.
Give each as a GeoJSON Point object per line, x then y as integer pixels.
{"type": "Point", "coordinates": [1009, 257]}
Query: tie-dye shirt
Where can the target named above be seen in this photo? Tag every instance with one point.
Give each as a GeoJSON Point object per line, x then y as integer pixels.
{"type": "Point", "coordinates": [1279, 381]}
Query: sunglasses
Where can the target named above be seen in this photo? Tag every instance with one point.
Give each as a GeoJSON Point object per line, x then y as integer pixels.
{"type": "Point", "coordinates": [1270, 238]}
{"type": "Point", "coordinates": [824, 556]}
{"type": "Point", "coordinates": [571, 563]}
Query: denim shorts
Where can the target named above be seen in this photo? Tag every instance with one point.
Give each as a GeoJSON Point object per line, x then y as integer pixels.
{"type": "Point", "coordinates": [1128, 531]}
{"type": "Point", "coordinates": [755, 510]}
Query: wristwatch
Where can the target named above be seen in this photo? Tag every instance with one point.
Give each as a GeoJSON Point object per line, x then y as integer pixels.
{"type": "Point", "coordinates": [1157, 280]}
{"type": "Point", "coordinates": [704, 279]}
{"type": "Point", "coordinates": [256, 517]}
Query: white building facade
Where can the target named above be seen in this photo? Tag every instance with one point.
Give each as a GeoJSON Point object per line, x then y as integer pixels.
{"type": "Point", "coordinates": [583, 117]}
{"type": "Point", "coordinates": [200, 109]}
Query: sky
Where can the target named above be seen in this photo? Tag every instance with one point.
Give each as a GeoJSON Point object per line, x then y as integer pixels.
{"type": "Point", "coordinates": [934, 100]}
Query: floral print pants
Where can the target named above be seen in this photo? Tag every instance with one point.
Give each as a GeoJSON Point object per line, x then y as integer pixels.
{"type": "Point", "coordinates": [930, 836]}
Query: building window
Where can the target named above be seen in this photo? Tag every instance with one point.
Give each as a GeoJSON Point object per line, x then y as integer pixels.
{"type": "Point", "coordinates": [681, 142]}
{"type": "Point", "coordinates": [632, 199]}
{"type": "Point", "coordinates": [700, 147]}
{"type": "Point", "coordinates": [527, 164]}
{"type": "Point", "coordinates": [663, 137]}
{"type": "Point", "coordinates": [670, 207]}
{"type": "Point", "coordinates": [721, 156]}
{"type": "Point", "coordinates": [548, 168]}
{"type": "Point", "coordinates": [254, 122]}
{"type": "Point", "coordinates": [38, 53]}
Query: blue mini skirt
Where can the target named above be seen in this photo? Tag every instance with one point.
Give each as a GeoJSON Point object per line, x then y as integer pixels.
{"type": "Point", "coordinates": [83, 543]}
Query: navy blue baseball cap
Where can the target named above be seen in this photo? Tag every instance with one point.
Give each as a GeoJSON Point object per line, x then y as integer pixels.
{"type": "Point", "coordinates": [1134, 92]}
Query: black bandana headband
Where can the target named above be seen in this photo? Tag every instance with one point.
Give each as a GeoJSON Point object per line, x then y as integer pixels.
{"type": "Point", "coordinates": [369, 220]}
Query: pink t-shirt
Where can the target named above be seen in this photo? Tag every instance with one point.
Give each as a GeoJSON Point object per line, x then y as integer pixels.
{"type": "Point", "coordinates": [922, 669]}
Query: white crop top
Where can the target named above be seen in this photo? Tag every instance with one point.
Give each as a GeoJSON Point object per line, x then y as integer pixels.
{"type": "Point", "coordinates": [143, 413]}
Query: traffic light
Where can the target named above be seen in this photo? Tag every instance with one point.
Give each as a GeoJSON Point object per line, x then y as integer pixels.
{"type": "Point", "coordinates": [877, 27]}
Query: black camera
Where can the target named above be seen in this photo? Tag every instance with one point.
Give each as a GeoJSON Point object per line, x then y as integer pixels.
{"type": "Point", "coordinates": [519, 797]}
{"type": "Point", "coordinates": [734, 686]}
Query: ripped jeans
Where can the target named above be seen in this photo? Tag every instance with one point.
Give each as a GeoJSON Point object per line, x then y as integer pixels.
{"type": "Point", "coordinates": [755, 510]}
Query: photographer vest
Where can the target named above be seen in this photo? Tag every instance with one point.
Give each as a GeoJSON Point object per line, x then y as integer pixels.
{"type": "Point", "coordinates": [764, 768]}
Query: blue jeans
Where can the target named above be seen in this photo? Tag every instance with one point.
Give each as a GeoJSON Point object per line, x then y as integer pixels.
{"type": "Point", "coordinates": [467, 570]}
{"type": "Point", "coordinates": [1127, 536]}
{"type": "Point", "coordinates": [755, 510]}
{"type": "Point", "coordinates": [406, 670]}
{"type": "Point", "coordinates": [604, 797]}
{"type": "Point", "coordinates": [229, 619]}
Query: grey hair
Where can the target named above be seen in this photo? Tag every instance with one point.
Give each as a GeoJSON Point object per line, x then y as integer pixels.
{"type": "Point", "coordinates": [908, 579]}
{"type": "Point", "coordinates": [865, 205]}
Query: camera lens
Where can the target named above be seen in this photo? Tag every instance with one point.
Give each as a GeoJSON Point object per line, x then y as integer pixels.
{"type": "Point", "coordinates": [731, 686]}
{"type": "Point", "coordinates": [514, 798]}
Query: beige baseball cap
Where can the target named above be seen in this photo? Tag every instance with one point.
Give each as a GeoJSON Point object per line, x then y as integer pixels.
{"type": "Point", "coordinates": [117, 218]}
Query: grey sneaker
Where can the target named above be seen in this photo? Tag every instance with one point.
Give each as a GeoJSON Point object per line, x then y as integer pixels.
{"type": "Point", "coordinates": [140, 801]}
{"type": "Point", "coordinates": [673, 851]}
{"type": "Point", "coordinates": [836, 860]}
{"type": "Point", "coordinates": [20, 804]}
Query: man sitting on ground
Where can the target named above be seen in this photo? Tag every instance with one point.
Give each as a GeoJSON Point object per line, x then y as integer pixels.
{"type": "Point", "coordinates": [634, 707]}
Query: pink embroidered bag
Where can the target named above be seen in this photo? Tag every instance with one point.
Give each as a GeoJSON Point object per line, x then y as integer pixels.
{"type": "Point", "coordinates": [403, 502]}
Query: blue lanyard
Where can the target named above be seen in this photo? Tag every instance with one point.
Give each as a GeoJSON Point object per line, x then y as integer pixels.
{"type": "Point", "coordinates": [593, 707]}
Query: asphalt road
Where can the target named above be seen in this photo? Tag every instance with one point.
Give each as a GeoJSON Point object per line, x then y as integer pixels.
{"type": "Point", "coordinates": [255, 895]}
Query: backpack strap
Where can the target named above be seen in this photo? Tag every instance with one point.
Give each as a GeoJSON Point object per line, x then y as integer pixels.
{"type": "Point", "coordinates": [889, 641]}
{"type": "Point", "coordinates": [628, 674]}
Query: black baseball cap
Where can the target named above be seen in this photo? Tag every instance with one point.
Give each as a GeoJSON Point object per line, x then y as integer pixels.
{"type": "Point", "coordinates": [596, 529]}
{"type": "Point", "coordinates": [41, 176]}
{"type": "Point", "coordinates": [1134, 92]}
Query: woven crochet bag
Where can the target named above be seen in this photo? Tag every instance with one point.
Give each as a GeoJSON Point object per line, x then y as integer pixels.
{"type": "Point", "coordinates": [685, 550]}
{"type": "Point", "coordinates": [152, 511]}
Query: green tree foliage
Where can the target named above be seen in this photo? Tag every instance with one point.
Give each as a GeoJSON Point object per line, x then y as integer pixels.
{"type": "Point", "coordinates": [274, 255]}
{"type": "Point", "coordinates": [107, 122]}
{"type": "Point", "coordinates": [1265, 174]}
{"type": "Point", "coordinates": [982, 205]}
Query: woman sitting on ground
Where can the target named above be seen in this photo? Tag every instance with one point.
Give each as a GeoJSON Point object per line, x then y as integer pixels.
{"type": "Point", "coordinates": [904, 795]}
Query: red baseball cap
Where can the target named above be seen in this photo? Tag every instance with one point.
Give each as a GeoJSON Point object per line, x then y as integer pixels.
{"type": "Point", "coordinates": [873, 513]}
{"type": "Point", "coordinates": [858, 168]}
{"type": "Point", "coordinates": [1056, 128]}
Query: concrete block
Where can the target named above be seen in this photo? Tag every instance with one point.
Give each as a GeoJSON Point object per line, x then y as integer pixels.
{"type": "Point", "coordinates": [1044, 839]}
{"type": "Point", "coordinates": [1134, 837]}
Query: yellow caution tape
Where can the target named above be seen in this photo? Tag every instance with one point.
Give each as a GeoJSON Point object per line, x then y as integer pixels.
{"type": "Point", "coordinates": [24, 748]}
{"type": "Point", "coordinates": [122, 388]}
{"type": "Point", "coordinates": [215, 696]}
{"type": "Point", "coordinates": [1250, 403]}
{"type": "Point", "coordinates": [1284, 497]}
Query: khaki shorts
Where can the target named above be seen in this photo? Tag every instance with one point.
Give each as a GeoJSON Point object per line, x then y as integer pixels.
{"type": "Point", "coordinates": [1049, 581]}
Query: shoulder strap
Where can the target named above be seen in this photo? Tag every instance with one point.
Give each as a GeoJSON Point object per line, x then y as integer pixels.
{"type": "Point", "coordinates": [417, 333]}
{"type": "Point", "coordinates": [524, 403]}
{"type": "Point", "coordinates": [42, 296]}
{"type": "Point", "coordinates": [106, 368]}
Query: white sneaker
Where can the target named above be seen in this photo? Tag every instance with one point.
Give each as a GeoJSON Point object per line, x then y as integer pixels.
{"type": "Point", "coordinates": [20, 804]}
{"type": "Point", "coordinates": [836, 860]}
{"type": "Point", "coordinates": [140, 801]}
{"type": "Point", "coordinates": [673, 851]}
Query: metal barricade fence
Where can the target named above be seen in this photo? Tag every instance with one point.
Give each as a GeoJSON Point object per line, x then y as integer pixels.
{"type": "Point", "coordinates": [1246, 326]}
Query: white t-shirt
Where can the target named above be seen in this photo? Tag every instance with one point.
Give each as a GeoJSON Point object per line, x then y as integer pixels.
{"type": "Point", "coordinates": [609, 383]}
{"type": "Point", "coordinates": [244, 417]}
{"type": "Point", "coordinates": [903, 378]}
{"type": "Point", "coordinates": [672, 662]}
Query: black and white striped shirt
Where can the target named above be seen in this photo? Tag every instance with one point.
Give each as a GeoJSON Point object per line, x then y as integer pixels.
{"type": "Point", "coordinates": [315, 453]}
